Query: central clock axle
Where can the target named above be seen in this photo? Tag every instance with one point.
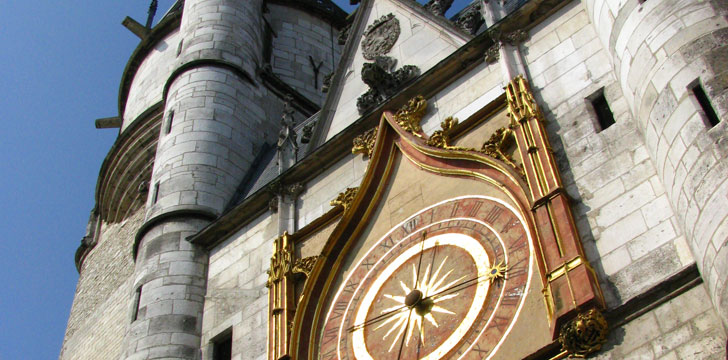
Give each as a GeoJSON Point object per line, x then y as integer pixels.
{"type": "Point", "coordinates": [413, 298]}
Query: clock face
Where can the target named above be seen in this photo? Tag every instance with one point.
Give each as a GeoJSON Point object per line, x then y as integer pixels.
{"type": "Point", "coordinates": [446, 283]}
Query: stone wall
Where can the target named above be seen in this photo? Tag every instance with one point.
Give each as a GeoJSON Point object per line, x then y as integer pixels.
{"type": "Point", "coordinates": [100, 311]}
{"type": "Point", "coordinates": [298, 35]}
{"type": "Point", "coordinates": [236, 296]}
{"type": "Point", "coordinates": [685, 327]}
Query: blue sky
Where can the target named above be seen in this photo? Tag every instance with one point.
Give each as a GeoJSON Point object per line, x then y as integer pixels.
{"type": "Point", "coordinates": [60, 67]}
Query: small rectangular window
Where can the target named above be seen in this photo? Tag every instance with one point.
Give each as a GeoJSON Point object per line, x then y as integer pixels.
{"type": "Point", "coordinates": [605, 118]}
{"type": "Point", "coordinates": [223, 347]}
{"type": "Point", "coordinates": [155, 194]}
{"type": "Point", "coordinates": [711, 118]}
{"type": "Point", "coordinates": [137, 298]}
{"type": "Point", "coordinates": [170, 119]}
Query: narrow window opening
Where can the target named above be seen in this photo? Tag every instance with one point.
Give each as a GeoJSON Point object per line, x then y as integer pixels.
{"type": "Point", "coordinates": [711, 118]}
{"type": "Point", "coordinates": [605, 118]}
{"type": "Point", "coordinates": [223, 348]}
{"type": "Point", "coordinates": [155, 195]}
{"type": "Point", "coordinates": [137, 298]}
{"type": "Point", "coordinates": [170, 118]}
{"type": "Point", "coordinates": [179, 47]}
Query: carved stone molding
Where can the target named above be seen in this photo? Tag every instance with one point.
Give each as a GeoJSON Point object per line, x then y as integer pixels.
{"type": "Point", "coordinates": [364, 143]}
{"type": "Point", "coordinates": [439, 7]}
{"type": "Point", "coordinates": [511, 38]}
{"type": "Point", "coordinates": [493, 53]}
{"type": "Point", "coordinates": [410, 115]}
{"type": "Point", "coordinates": [470, 19]}
{"type": "Point", "coordinates": [345, 198]}
{"type": "Point", "coordinates": [343, 35]}
{"type": "Point", "coordinates": [326, 83]}
{"type": "Point", "coordinates": [584, 334]}
{"type": "Point", "coordinates": [380, 37]}
{"type": "Point", "coordinates": [383, 82]}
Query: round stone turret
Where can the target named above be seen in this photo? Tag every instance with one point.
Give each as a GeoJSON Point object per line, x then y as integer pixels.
{"type": "Point", "coordinates": [665, 53]}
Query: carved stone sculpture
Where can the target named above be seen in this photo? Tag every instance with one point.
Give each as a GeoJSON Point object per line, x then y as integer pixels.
{"type": "Point", "coordinates": [438, 7]}
{"type": "Point", "coordinates": [382, 82]}
{"type": "Point", "coordinates": [470, 19]}
{"type": "Point", "coordinates": [380, 36]}
{"type": "Point", "coordinates": [585, 334]}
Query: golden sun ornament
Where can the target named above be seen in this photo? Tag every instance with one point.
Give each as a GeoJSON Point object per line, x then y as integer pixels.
{"type": "Point", "coordinates": [423, 308]}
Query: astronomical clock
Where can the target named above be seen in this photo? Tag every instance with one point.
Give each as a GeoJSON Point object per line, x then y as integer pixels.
{"type": "Point", "coordinates": [458, 245]}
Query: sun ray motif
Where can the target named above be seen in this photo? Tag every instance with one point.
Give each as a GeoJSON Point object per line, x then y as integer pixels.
{"type": "Point", "coordinates": [406, 322]}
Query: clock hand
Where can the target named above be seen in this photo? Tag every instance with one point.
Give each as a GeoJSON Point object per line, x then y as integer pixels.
{"type": "Point", "coordinates": [496, 272]}
{"type": "Point", "coordinates": [419, 265]}
{"type": "Point", "coordinates": [405, 334]}
{"type": "Point", "coordinates": [377, 319]}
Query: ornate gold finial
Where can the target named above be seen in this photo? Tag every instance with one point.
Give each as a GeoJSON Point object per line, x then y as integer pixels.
{"type": "Point", "coordinates": [521, 105]}
{"type": "Point", "coordinates": [410, 115]}
{"type": "Point", "coordinates": [345, 198]}
{"type": "Point", "coordinates": [281, 261]}
{"type": "Point", "coordinates": [305, 265]}
{"type": "Point", "coordinates": [584, 334]}
{"type": "Point", "coordinates": [441, 138]}
{"type": "Point", "coordinates": [364, 143]}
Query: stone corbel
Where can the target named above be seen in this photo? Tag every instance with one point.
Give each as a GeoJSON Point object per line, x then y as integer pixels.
{"type": "Point", "coordinates": [438, 7]}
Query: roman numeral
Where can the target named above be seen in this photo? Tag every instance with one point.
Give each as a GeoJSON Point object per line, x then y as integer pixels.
{"type": "Point", "coordinates": [474, 210]}
{"type": "Point", "coordinates": [331, 354]}
{"type": "Point", "coordinates": [478, 350]}
{"type": "Point", "coordinates": [387, 243]}
{"type": "Point", "coordinates": [338, 310]}
{"type": "Point", "coordinates": [493, 215]}
{"type": "Point", "coordinates": [350, 287]}
{"type": "Point", "coordinates": [330, 334]}
{"type": "Point", "coordinates": [455, 209]}
{"type": "Point", "coordinates": [369, 263]}
{"type": "Point", "coordinates": [511, 223]}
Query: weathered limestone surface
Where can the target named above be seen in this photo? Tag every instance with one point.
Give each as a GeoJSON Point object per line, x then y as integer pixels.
{"type": "Point", "coordinates": [685, 327]}
{"type": "Point", "coordinates": [236, 296]}
{"type": "Point", "coordinates": [100, 312]}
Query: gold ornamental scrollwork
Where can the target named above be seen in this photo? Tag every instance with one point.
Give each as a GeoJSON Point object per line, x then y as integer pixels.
{"type": "Point", "coordinates": [364, 143]}
{"type": "Point", "coordinates": [305, 265]}
{"type": "Point", "coordinates": [498, 144]}
{"type": "Point", "coordinates": [584, 334]}
{"type": "Point", "coordinates": [282, 260]}
{"type": "Point", "coordinates": [441, 138]}
{"type": "Point", "coordinates": [345, 198]}
{"type": "Point", "coordinates": [410, 115]}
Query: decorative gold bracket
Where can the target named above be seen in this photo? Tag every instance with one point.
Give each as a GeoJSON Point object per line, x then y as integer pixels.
{"type": "Point", "coordinates": [345, 198]}
{"type": "Point", "coordinates": [584, 334]}
{"type": "Point", "coordinates": [364, 143]}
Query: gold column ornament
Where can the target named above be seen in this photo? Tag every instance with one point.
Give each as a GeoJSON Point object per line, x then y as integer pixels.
{"type": "Point", "coordinates": [364, 143]}
{"type": "Point", "coordinates": [345, 198]}
{"type": "Point", "coordinates": [584, 334]}
{"type": "Point", "coordinates": [570, 283]}
{"type": "Point", "coordinates": [281, 303]}
{"type": "Point", "coordinates": [410, 115]}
